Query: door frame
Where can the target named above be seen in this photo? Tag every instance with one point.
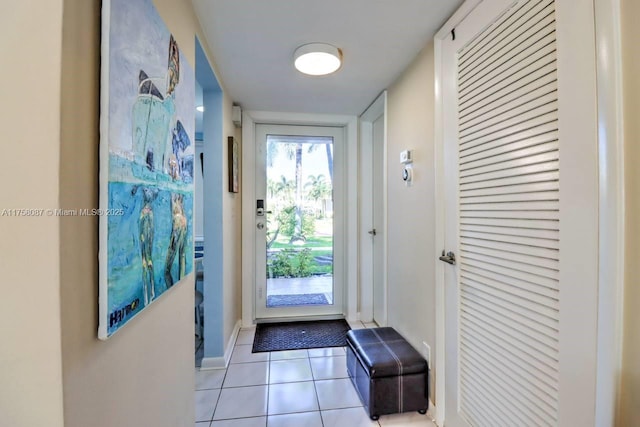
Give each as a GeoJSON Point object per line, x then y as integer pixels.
{"type": "Point", "coordinates": [249, 121]}
{"type": "Point", "coordinates": [369, 116]}
{"type": "Point", "coordinates": [608, 66]}
{"type": "Point", "coordinates": [336, 308]}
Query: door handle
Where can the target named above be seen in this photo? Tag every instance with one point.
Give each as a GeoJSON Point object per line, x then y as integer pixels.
{"type": "Point", "coordinates": [449, 258]}
{"type": "Point", "coordinates": [372, 232]}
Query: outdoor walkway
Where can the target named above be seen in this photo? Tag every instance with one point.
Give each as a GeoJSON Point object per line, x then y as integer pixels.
{"type": "Point", "coordinates": [301, 286]}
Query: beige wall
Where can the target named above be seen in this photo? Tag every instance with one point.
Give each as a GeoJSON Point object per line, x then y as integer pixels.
{"type": "Point", "coordinates": [410, 214]}
{"type": "Point", "coordinates": [144, 374]}
{"type": "Point", "coordinates": [629, 414]}
{"type": "Point", "coordinates": [231, 235]}
{"type": "Point", "coordinates": [30, 355]}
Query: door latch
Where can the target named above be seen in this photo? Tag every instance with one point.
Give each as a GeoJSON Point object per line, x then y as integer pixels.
{"type": "Point", "coordinates": [449, 258]}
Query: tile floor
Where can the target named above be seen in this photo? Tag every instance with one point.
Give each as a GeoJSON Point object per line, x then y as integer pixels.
{"type": "Point", "coordinates": [301, 388]}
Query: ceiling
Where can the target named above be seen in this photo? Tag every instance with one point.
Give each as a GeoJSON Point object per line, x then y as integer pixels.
{"type": "Point", "coordinates": [253, 42]}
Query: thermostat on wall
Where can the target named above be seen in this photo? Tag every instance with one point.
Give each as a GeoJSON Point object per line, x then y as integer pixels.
{"type": "Point", "coordinates": [405, 156]}
{"type": "Point", "coordinates": [236, 116]}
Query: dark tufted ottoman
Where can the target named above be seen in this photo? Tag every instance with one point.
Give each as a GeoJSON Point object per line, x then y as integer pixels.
{"type": "Point", "coordinates": [389, 374]}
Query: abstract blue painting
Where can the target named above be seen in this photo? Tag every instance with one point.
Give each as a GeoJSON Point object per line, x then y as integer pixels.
{"type": "Point", "coordinates": [147, 122]}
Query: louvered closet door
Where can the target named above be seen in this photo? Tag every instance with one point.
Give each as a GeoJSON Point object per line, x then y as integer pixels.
{"type": "Point", "coordinates": [507, 209]}
{"type": "Point", "coordinates": [509, 219]}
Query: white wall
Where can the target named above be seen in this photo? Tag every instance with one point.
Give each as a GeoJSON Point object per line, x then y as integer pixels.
{"type": "Point", "coordinates": [231, 237]}
{"type": "Point", "coordinates": [410, 211]}
{"type": "Point", "coordinates": [30, 353]}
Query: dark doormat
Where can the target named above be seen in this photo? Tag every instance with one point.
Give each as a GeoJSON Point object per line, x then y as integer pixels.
{"type": "Point", "coordinates": [300, 335]}
{"type": "Point", "coordinates": [296, 299]}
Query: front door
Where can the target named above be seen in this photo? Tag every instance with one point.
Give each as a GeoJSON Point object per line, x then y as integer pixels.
{"type": "Point", "coordinates": [299, 221]}
{"type": "Point", "coordinates": [521, 218]}
{"type": "Point", "coordinates": [379, 229]}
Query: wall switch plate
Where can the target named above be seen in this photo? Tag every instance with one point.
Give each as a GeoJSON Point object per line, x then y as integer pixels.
{"type": "Point", "coordinates": [427, 353]}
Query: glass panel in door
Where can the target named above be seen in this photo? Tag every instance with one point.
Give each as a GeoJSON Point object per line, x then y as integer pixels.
{"type": "Point", "coordinates": [299, 223]}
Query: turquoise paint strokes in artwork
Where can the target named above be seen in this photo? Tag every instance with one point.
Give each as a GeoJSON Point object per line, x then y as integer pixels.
{"type": "Point", "coordinates": [125, 270]}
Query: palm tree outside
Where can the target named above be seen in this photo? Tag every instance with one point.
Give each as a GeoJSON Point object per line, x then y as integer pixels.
{"type": "Point", "coordinates": [299, 197]}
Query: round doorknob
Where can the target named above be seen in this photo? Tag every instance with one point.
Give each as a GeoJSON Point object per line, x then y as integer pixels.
{"type": "Point", "coordinates": [260, 226]}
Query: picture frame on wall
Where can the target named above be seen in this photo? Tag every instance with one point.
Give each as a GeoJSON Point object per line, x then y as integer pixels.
{"type": "Point", "coordinates": [234, 165]}
{"type": "Point", "coordinates": [147, 121]}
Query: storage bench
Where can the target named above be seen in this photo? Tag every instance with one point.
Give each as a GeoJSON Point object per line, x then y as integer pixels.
{"type": "Point", "coordinates": [388, 373]}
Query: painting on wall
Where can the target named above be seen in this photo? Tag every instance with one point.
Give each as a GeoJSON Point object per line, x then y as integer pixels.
{"type": "Point", "coordinates": [147, 122]}
{"type": "Point", "coordinates": [234, 165]}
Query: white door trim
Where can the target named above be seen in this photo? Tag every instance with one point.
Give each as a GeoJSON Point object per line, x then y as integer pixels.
{"type": "Point", "coordinates": [438, 410]}
{"type": "Point", "coordinates": [249, 121]}
{"type": "Point", "coordinates": [611, 206]}
{"type": "Point", "coordinates": [371, 114]}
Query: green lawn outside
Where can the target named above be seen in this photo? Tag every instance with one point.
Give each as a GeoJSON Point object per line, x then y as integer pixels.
{"type": "Point", "coordinates": [313, 242]}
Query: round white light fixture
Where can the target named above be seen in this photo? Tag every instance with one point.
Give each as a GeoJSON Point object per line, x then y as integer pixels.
{"type": "Point", "coordinates": [317, 59]}
{"type": "Point", "coordinates": [200, 108]}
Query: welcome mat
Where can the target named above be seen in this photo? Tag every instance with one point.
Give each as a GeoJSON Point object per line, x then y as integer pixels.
{"type": "Point", "coordinates": [297, 299]}
{"type": "Point", "coordinates": [300, 335]}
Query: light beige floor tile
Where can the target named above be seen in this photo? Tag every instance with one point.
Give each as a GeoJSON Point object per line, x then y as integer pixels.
{"type": "Point", "coordinates": [242, 354]}
{"type": "Point", "coordinates": [205, 402]}
{"type": "Point", "coordinates": [325, 368]}
{"type": "Point", "coordinates": [288, 371]}
{"type": "Point", "coordinates": [408, 419]}
{"type": "Point", "coordinates": [304, 419]}
{"type": "Point", "coordinates": [247, 374]}
{"type": "Point", "coordinates": [245, 336]}
{"type": "Point", "coordinates": [289, 354]}
{"type": "Point", "coordinates": [242, 402]}
{"type": "Point", "coordinates": [352, 417]}
{"type": "Point", "coordinates": [209, 379]}
{"type": "Point", "coordinates": [242, 422]}
{"type": "Point", "coordinates": [326, 352]}
{"type": "Point", "coordinates": [337, 394]}
{"type": "Point", "coordinates": [292, 397]}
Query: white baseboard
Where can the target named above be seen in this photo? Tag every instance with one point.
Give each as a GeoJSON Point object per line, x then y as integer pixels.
{"type": "Point", "coordinates": [433, 413]}
{"type": "Point", "coordinates": [355, 318]}
{"type": "Point", "coordinates": [209, 363]}
{"type": "Point", "coordinates": [223, 361]}
{"type": "Point", "coordinates": [232, 342]}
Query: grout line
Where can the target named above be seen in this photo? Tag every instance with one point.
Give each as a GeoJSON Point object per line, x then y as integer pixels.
{"type": "Point", "coordinates": [315, 388]}
{"type": "Point", "coordinates": [215, 407]}
{"type": "Point", "coordinates": [241, 418]}
{"type": "Point", "coordinates": [266, 420]}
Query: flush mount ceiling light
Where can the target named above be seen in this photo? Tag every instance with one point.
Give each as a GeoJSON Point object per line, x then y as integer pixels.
{"type": "Point", "coordinates": [317, 59]}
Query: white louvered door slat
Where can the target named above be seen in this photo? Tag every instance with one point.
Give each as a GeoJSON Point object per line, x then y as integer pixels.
{"type": "Point", "coordinates": [522, 139]}
{"type": "Point", "coordinates": [517, 132]}
{"type": "Point", "coordinates": [508, 211]}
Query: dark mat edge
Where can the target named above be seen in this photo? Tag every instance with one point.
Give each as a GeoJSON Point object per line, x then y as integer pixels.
{"type": "Point", "coordinates": [258, 325]}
